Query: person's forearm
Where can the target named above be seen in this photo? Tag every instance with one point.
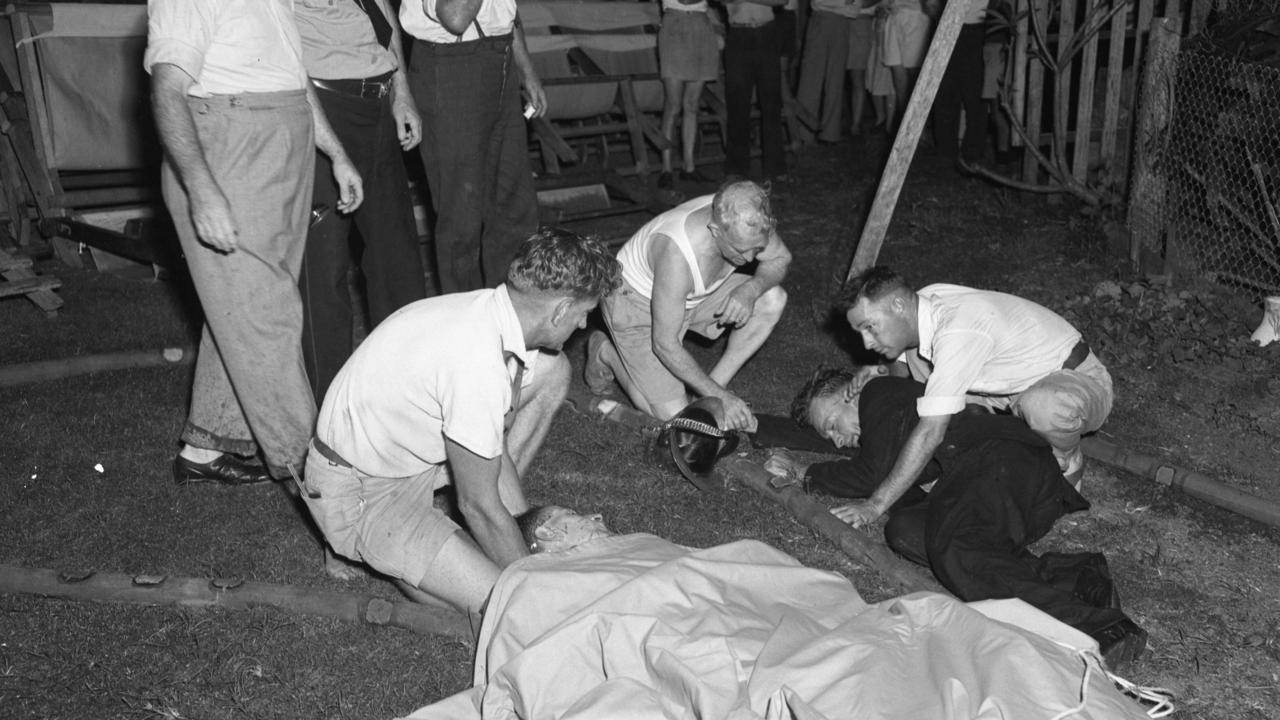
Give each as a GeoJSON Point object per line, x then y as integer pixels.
{"type": "Point", "coordinates": [455, 15]}
{"type": "Point", "coordinates": [509, 488]}
{"type": "Point", "coordinates": [400, 79]}
{"type": "Point", "coordinates": [686, 369]}
{"type": "Point", "coordinates": [914, 456]}
{"type": "Point", "coordinates": [769, 274]}
{"type": "Point", "coordinates": [326, 139]}
{"type": "Point", "coordinates": [520, 53]}
{"type": "Point", "coordinates": [478, 483]}
{"type": "Point", "coordinates": [177, 130]}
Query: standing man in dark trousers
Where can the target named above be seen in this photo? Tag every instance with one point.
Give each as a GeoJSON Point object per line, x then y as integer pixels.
{"type": "Point", "coordinates": [961, 91]}
{"type": "Point", "coordinates": [753, 63]}
{"type": "Point", "coordinates": [467, 66]}
{"type": "Point", "coordinates": [239, 130]}
{"type": "Point", "coordinates": [352, 54]}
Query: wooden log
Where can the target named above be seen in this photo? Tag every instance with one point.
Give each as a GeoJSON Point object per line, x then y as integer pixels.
{"type": "Point", "coordinates": [858, 545]}
{"type": "Point", "coordinates": [44, 370]}
{"type": "Point", "coordinates": [1146, 194]}
{"type": "Point", "coordinates": [232, 594]}
{"type": "Point", "coordinates": [904, 144]}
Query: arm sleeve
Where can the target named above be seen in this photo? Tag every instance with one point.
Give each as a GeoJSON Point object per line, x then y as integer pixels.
{"type": "Point", "coordinates": [958, 358]}
{"type": "Point", "coordinates": [179, 32]}
{"type": "Point", "coordinates": [474, 397]}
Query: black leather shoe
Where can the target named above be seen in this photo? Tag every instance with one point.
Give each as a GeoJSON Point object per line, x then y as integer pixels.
{"type": "Point", "coordinates": [1120, 643]}
{"type": "Point", "coordinates": [226, 469]}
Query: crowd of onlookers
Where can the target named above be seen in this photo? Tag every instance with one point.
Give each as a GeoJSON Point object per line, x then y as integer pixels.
{"type": "Point", "coordinates": [817, 66]}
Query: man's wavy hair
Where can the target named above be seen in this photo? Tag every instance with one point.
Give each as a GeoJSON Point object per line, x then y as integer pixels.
{"type": "Point", "coordinates": [743, 208]}
{"type": "Point", "coordinates": [871, 284]}
{"type": "Point", "coordinates": [561, 261]}
{"type": "Point", "coordinates": [825, 382]}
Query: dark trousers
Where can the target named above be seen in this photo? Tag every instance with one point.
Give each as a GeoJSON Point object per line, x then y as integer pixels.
{"type": "Point", "coordinates": [973, 529]}
{"type": "Point", "coordinates": [752, 63]}
{"type": "Point", "coordinates": [391, 260]}
{"type": "Point", "coordinates": [961, 89]}
{"type": "Point", "coordinates": [476, 154]}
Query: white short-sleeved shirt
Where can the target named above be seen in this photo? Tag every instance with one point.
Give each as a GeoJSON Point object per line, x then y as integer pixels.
{"type": "Point", "coordinates": [227, 46]}
{"type": "Point", "coordinates": [436, 368]}
{"type": "Point", "coordinates": [637, 271]}
{"type": "Point", "coordinates": [420, 19]}
{"type": "Point", "coordinates": [979, 342]}
{"type": "Point", "coordinates": [338, 41]}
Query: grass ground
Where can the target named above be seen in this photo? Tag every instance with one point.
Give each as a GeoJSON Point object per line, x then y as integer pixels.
{"type": "Point", "coordinates": [1205, 583]}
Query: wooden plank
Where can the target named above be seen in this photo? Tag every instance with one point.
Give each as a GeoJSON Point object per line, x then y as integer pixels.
{"type": "Point", "coordinates": [25, 286]}
{"type": "Point", "coordinates": [1062, 85]}
{"type": "Point", "coordinates": [904, 145]}
{"type": "Point", "coordinates": [1084, 97]}
{"type": "Point", "coordinates": [1018, 87]}
{"type": "Point", "coordinates": [1114, 79]}
{"type": "Point", "coordinates": [12, 261]}
{"type": "Point", "coordinates": [627, 92]}
{"type": "Point", "coordinates": [1200, 10]}
{"type": "Point", "coordinates": [33, 91]}
{"type": "Point", "coordinates": [1035, 93]}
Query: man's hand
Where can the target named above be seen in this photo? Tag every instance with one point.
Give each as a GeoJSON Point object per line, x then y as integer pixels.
{"type": "Point", "coordinates": [211, 215]}
{"type": "Point", "coordinates": [350, 186]}
{"type": "Point", "coordinates": [783, 463]}
{"type": "Point", "coordinates": [736, 309]}
{"type": "Point", "coordinates": [408, 123]}
{"type": "Point", "coordinates": [535, 95]}
{"type": "Point", "coordinates": [737, 413]}
{"type": "Point", "coordinates": [859, 512]}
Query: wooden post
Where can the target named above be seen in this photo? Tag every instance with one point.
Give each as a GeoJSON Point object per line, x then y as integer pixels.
{"type": "Point", "coordinates": [1084, 96]}
{"type": "Point", "coordinates": [1035, 93]}
{"type": "Point", "coordinates": [1146, 195]}
{"type": "Point", "coordinates": [1114, 80]}
{"type": "Point", "coordinates": [904, 145]}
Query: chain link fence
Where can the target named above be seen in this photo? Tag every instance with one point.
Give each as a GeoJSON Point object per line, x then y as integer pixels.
{"type": "Point", "coordinates": [1220, 166]}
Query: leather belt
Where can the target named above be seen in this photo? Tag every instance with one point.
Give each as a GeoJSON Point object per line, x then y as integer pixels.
{"type": "Point", "coordinates": [329, 453]}
{"type": "Point", "coordinates": [1077, 356]}
{"type": "Point", "coordinates": [376, 87]}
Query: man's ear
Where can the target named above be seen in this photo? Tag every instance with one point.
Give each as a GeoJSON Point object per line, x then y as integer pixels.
{"type": "Point", "coordinates": [560, 310]}
{"type": "Point", "coordinates": [850, 392]}
{"type": "Point", "coordinates": [545, 534]}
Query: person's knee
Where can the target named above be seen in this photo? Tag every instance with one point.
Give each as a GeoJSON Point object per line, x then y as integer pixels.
{"type": "Point", "coordinates": [552, 379]}
{"type": "Point", "coordinates": [770, 305]}
{"type": "Point", "coordinates": [1048, 410]}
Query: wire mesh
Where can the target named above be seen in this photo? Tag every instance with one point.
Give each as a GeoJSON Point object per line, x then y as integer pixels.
{"type": "Point", "coordinates": [1221, 168]}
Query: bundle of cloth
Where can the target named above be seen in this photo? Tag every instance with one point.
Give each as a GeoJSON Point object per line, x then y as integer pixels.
{"type": "Point", "coordinates": [634, 626]}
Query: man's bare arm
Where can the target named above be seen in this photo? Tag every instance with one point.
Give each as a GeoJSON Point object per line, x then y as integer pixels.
{"type": "Point", "coordinates": [477, 481]}
{"type": "Point", "coordinates": [350, 186]}
{"type": "Point", "coordinates": [210, 210]}
{"type": "Point", "coordinates": [455, 15]}
{"type": "Point", "coordinates": [771, 265]}
{"type": "Point", "coordinates": [912, 459]}
{"type": "Point", "coordinates": [672, 283]}
{"type": "Point", "coordinates": [403, 109]}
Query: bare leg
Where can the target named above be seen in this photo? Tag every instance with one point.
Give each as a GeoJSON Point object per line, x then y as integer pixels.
{"type": "Point", "coordinates": [538, 405]}
{"type": "Point", "coordinates": [670, 111]}
{"type": "Point", "coordinates": [689, 128]}
{"type": "Point", "coordinates": [746, 340]}
{"type": "Point", "coordinates": [460, 575]}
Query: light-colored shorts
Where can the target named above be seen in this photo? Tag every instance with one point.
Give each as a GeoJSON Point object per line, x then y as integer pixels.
{"type": "Point", "coordinates": [688, 47]}
{"type": "Point", "coordinates": [906, 38]}
{"type": "Point", "coordinates": [993, 66]}
{"type": "Point", "coordinates": [389, 523]}
{"type": "Point", "coordinates": [629, 316]}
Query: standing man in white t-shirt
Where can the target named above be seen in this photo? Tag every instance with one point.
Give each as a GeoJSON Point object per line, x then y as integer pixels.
{"type": "Point", "coordinates": [680, 273]}
{"type": "Point", "coordinates": [977, 347]}
{"type": "Point", "coordinates": [459, 389]}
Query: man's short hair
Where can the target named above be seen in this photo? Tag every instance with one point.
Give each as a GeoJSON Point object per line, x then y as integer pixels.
{"type": "Point", "coordinates": [561, 261]}
{"type": "Point", "coordinates": [871, 284]}
{"type": "Point", "coordinates": [824, 383]}
{"type": "Point", "coordinates": [743, 208]}
{"type": "Point", "coordinates": [530, 520]}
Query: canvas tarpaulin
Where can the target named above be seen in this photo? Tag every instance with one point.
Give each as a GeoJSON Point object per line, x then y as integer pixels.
{"type": "Point", "coordinates": [637, 627]}
{"type": "Point", "coordinates": [89, 67]}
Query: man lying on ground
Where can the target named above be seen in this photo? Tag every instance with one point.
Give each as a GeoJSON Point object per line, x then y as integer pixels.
{"type": "Point", "coordinates": [597, 625]}
{"type": "Point", "coordinates": [679, 273]}
{"type": "Point", "coordinates": [994, 488]}
{"type": "Point", "coordinates": [458, 388]}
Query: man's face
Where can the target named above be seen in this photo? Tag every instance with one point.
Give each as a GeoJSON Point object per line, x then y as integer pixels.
{"type": "Point", "coordinates": [835, 417]}
{"type": "Point", "coordinates": [565, 529]}
{"type": "Point", "coordinates": [736, 248]}
{"type": "Point", "coordinates": [571, 316]}
{"type": "Point", "coordinates": [883, 325]}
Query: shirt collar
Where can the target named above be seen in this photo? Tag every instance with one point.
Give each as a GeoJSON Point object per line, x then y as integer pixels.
{"type": "Point", "coordinates": [509, 326]}
{"type": "Point", "coordinates": [925, 326]}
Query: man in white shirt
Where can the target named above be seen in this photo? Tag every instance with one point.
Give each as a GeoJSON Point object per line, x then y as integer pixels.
{"type": "Point", "coordinates": [466, 69]}
{"type": "Point", "coordinates": [978, 347]}
{"type": "Point", "coordinates": [458, 389]}
{"type": "Point", "coordinates": [238, 126]}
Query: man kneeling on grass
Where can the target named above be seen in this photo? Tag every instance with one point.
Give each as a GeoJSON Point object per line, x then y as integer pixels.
{"type": "Point", "coordinates": [459, 388]}
{"type": "Point", "coordinates": [993, 488]}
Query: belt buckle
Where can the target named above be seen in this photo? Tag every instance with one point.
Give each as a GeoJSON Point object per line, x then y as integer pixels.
{"type": "Point", "coordinates": [376, 90]}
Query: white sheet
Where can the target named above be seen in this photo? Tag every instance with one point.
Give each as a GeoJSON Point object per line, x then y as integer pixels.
{"type": "Point", "coordinates": [637, 627]}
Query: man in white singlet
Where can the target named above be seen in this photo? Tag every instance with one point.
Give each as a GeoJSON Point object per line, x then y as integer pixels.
{"type": "Point", "coordinates": [709, 265]}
